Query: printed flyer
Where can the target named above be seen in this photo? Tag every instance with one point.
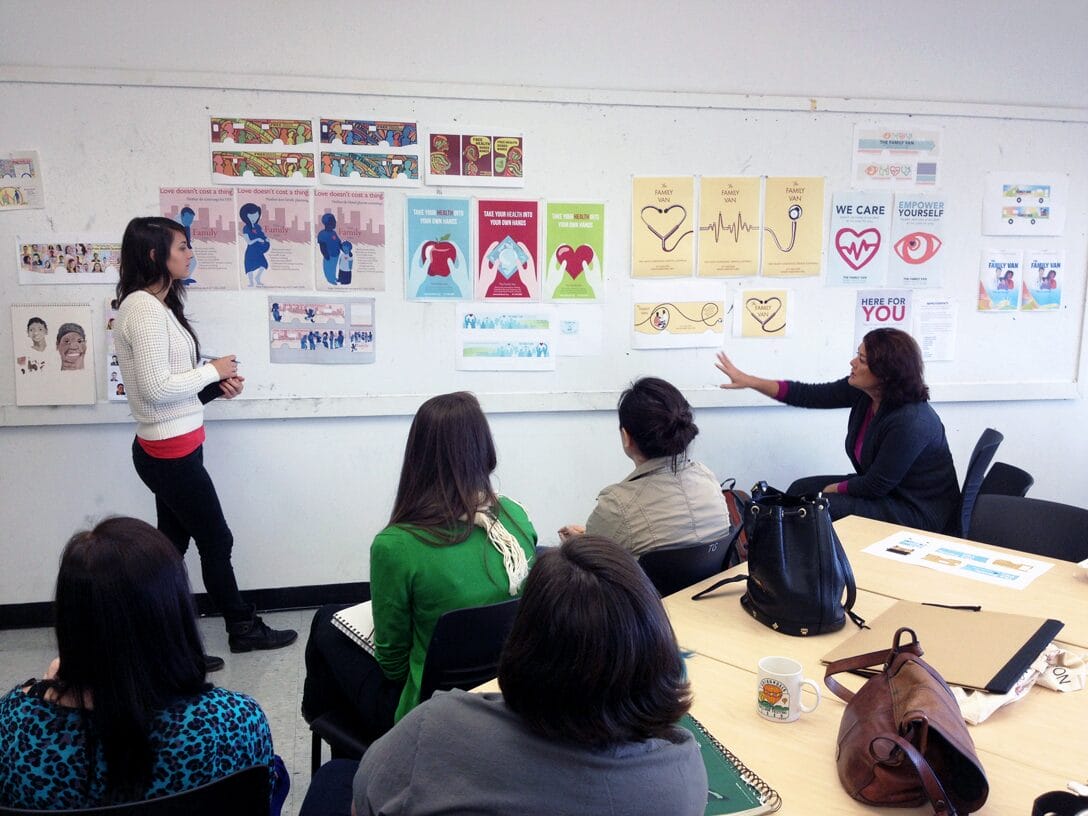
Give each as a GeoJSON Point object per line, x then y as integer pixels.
{"type": "Point", "coordinates": [729, 228]}
{"type": "Point", "coordinates": [761, 313]}
{"type": "Point", "coordinates": [896, 157]}
{"type": "Point", "coordinates": [574, 243]}
{"type": "Point", "coordinates": [1025, 203]}
{"type": "Point", "coordinates": [53, 354]}
{"type": "Point", "coordinates": [350, 239]}
{"type": "Point", "coordinates": [508, 250]}
{"type": "Point", "coordinates": [935, 327]}
{"type": "Point", "coordinates": [437, 252]}
{"type": "Point", "coordinates": [270, 151]}
{"type": "Point", "coordinates": [480, 158]}
{"type": "Point", "coordinates": [917, 236]}
{"type": "Point", "coordinates": [506, 337]}
{"type": "Point", "coordinates": [211, 224]}
{"type": "Point", "coordinates": [881, 309]}
{"type": "Point", "coordinates": [580, 330]}
{"type": "Point", "coordinates": [677, 315]}
{"type": "Point", "coordinates": [999, 280]}
{"type": "Point", "coordinates": [115, 382]}
{"type": "Point", "coordinates": [369, 152]}
{"type": "Point", "coordinates": [21, 181]}
{"type": "Point", "coordinates": [67, 259]}
{"type": "Point", "coordinates": [662, 227]}
{"type": "Point", "coordinates": [1042, 280]}
{"type": "Point", "coordinates": [860, 223]}
{"type": "Point", "coordinates": [275, 237]}
{"type": "Point", "coordinates": [319, 331]}
{"type": "Point", "coordinates": [793, 218]}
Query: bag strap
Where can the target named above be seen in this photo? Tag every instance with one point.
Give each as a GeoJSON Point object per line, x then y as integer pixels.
{"type": "Point", "coordinates": [851, 585]}
{"type": "Point", "coordinates": [867, 661]}
{"type": "Point", "coordinates": [729, 548]}
{"type": "Point", "coordinates": [942, 805]}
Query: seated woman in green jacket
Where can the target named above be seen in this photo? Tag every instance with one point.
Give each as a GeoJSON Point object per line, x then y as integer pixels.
{"type": "Point", "coordinates": [451, 543]}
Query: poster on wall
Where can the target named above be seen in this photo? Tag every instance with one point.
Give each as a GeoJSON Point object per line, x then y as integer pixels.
{"type": "Point", "coordinates": [436, 248]}
{"type": "Point", "coordinates": [1027, 203]}
{"type": "Point", "coordinates": [320, 331]}
{"type": "Point", "coordinates": [275, 238]}
{"type": "Point", "coordinates": [53, 354]}
{"type": "Point", "coordinates": [363, 152]}
{"type": "Point", "coordinates": [762, 314]}
{"type": "Point", "coordinates": [677, 315]}
{"type": "Point", "coordinates": [21, 181]}
{"type": "Point", "coordinates": [999, 280]}
{"type": "Point", "coordinates": [858, 238]}
{"type": "Point", "coordinates": [506, 337]}
{"type": "Point", "coordinates": [579, 330]}
{"type": "Point", "coordinates": [729, 227]}
{"type": "Point", "coordinates": [247, 150]}
{"type": "Point", "coordinates": [917, 237]}
{"type": "Point", "coordinates": [508, 249]}
{"type": "Point", "coordinates": [935, 327]}
{"type": "Point", "coordinates": [210, 221]}
{"type": "Point", "coordinates": [881, 309]}
{"type": "Point", "coordinates": [1043, 274]}
{"type": "Point", "coordinates": [896, 158]}
{"type": "Point", "coordinates": [115, 381]}
{"type": "Point", "coordinates": [793, 218]}
{"type": "Point", "coordinates": [574, 243]}
{"type": "Point", "coordinates": [483, 157]}
{"type": "Point", "coordinates": [662, 226]}
{"type": "Point", "coordinates": [67, 259]}
{"type": "Point", "coordinates": [350, 239]}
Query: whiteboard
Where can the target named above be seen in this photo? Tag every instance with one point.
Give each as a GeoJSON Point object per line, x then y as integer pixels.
{"type": "Point", "coordinates": [114, 139]}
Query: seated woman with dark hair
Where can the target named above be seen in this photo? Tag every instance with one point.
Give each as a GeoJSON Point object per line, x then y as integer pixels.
{"type": "Point", "coordinates": [125, 713]}
{"type": "Point", "coordinates": [668, 498]}
{"type": "Point", "coordinates": [592, 687]}
{"type": "Point", "coordinates": [894, 438]}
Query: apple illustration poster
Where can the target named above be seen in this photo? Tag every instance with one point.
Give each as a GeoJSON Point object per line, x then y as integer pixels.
{"type": "Point", "coordinates": [349, 245]}
{"type": "Point", "coordinates": [575, 250]}
{"type": "Point", "coordinates": [858, 241]}
{"type": "Point", "coordinates": [437, 252]}
{"type": "Point", "coordinates": [507, 250]}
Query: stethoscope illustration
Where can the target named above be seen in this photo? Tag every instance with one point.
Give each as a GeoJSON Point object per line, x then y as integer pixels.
{"type": "Point", "coordinates": [794, 213]}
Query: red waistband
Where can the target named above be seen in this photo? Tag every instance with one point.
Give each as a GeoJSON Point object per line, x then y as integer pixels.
{"type": "Point", "coordinates": [175, 447]}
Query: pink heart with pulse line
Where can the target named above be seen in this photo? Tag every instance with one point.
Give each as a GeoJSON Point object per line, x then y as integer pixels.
{"type": "Point", "coordinates": [857, 248]}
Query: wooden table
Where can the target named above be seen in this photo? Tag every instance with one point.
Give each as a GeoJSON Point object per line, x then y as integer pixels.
{"type": "Point", "coordinates": [1029, 748]}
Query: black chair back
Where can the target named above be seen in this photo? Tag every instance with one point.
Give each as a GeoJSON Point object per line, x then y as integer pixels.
{"type": "Point", "coordinates": [672, 568]}
{"type": "Point", "coordinates": [243, 793]}
{"type": "Point", "coordinates": [1032, 526]}
{"type": "Point", "coordinates": [464, 649]}
{"type": "Point", "coordinates": [981, 457]}
{"type": "Point", "coordinates": [1006, 480]}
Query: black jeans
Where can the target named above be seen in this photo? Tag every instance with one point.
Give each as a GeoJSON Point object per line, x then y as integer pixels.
{"type": "Point", "coordinates": [188, 508]}
{"type": "Point", "coordinates": [843, 504]}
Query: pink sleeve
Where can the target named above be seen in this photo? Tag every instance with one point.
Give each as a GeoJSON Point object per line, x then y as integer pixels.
{"type": "Point", "coordinates": [842, 486]}
{"type": "Point", "coordinates": [783, 389]}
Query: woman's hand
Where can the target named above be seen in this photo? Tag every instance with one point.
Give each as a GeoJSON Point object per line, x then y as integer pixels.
{"type": "Point", "coordinates": [232, 386]}
{"type": "Point", "coordinates": [737, 378]}
{"type": "Point", "coordinates": [51, 672]}
{"type": "Point", "coordinates": [832, 488]}
{"type": "Point", "coordinates": [226, 366]}
{"type": "Point", "coordinates": [570, 531]}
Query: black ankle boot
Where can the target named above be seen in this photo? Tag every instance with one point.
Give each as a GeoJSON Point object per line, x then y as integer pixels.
{"type": "Point", "coordinates": [253, 633]}
{"type": "Point", "coordinates": [212, 663]}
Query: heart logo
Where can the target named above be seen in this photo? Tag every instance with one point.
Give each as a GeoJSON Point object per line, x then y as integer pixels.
{"type": "Point", "coordinates": [663, 222]}
{"type": "Point", "coordinates": [575, 259]}
{"type": "Point", "coordinates": [763, 311]}
{"type": "Point", "coordinates": [857, 248]}
{"type": "Point", "coordinates": [894, 169]}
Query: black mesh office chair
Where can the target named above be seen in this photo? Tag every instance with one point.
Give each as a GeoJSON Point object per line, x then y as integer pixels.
{"type": "Point", "coordinates": [672, 568]}
{"type": "Point", "coordinates": [1033, 526]}
{"type": "Point", "coordinates": [1006, 480]}
{"type": "Point", "coordinates": [980, 460]}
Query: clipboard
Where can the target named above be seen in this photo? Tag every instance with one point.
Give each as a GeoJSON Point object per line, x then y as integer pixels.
{"type": "Point", "coordinates": [982, 650]}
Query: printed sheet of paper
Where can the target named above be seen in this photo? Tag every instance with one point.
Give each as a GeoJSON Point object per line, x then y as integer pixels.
{"type": "Point", "coordinates": [509, 336]}
{"type": "Point", "coordinates": [999, 278]}
{"type": "Point", "coordinates": [53, 354]}
{"type": "Point", "coordinates": [349, 239]}
{"type": "Point", "coordinates": [896, 157]}
{"type": "Point", "coordinates": [321, 331]}
{"type": "Point", "coordinates": [210, 220]}
{"type": "Point", "coordinates": [881, 309]}
{"type": "Point", "coordinates": [935, 327]}
{"type": "Point", "coordinates": [860, 223]}
{"type": "Point", "coordinates": [369, 152]}
{"type": "Point", "coordinates": [1042, 280]}
{"type": "Point", "coordinates": [21, 181]}
{"type": "Point", "coordinates": [508, 249]}
{"type": "Point", "coordinates": [917, 237]}
{"type": "Point", "coordinates": [67, 259]}
{"type": "Point", "coordinates": [1025, 203]}
{"type": "Point", "coordinates": [960, 558]}
{"type": "Point", "coordinates": [437, 234]}
{"type": "Point", "coordinates": [677, 315]}
{"type": "Point", "coordinates": [762, 313]}
{"type": "Point", "coordinates": [484, 157]}
{"type": "Point", "coordinates": [267, 151]}
{"type": "Point", "coordinates": [574, 246]}
{"type": "Point", "coordinates": [275, 237]}
{"type": "Point", "coordinates": [580, 331]}
{"type": "Point", "coordinates": [115, 382]}
{"type": "Point", "coordinates": [793, 219]}
{"type": "Point", "coordinates": [662, 227]}
{"type": "Point", "coordinates": [729, 227]}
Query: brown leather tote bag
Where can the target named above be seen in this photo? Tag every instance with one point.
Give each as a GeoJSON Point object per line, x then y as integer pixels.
{"type": "Point", "coordinates": [902, 740]}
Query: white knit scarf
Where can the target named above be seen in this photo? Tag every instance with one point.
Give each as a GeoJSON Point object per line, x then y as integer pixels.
{"type": "Point", "coordinates": [513, 556]}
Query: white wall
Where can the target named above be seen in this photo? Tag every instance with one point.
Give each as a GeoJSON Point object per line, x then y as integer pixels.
{"type": "Point", "coordinates": [304, 497]}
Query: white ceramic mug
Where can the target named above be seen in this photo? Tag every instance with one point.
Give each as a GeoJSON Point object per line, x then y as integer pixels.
{"type": "Point", "coordinates": [778, 690]}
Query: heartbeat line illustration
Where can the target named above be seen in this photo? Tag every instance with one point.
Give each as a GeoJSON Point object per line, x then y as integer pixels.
{"type": "Point", "coordinates": [859, 249]}
{"type": "Point", "coordinates": [734, 228]}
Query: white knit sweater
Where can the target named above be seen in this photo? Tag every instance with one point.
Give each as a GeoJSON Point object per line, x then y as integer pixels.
{"type": "Point", "coordinates": [159, 365]}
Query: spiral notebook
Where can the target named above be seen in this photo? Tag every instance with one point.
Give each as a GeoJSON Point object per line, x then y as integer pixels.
{"type": "Point", "coordinates": [733, 787]}
{"type": "Point", "coordinates": [357, 622]}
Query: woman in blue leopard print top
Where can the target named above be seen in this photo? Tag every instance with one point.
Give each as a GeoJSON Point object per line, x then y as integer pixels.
{"type": "Point", "coordinates": [125, 713]}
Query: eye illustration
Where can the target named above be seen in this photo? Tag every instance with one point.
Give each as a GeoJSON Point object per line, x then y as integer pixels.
{"type": "Point", "coordinates": [917, 247]}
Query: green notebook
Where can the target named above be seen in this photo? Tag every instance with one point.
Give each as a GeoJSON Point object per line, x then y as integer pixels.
{"type": "Point", "coordinates": [733, 787]}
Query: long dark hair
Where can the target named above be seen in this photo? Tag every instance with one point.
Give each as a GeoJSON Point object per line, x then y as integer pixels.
{"type": "Point", "coordinates": [658, 418]}
{"type": "Point", "coordinates": [446, 475]}
{"type": "Point", "coordinates": [145, 247]}
{"type": "Point", "coordinates": [894, 358]}
{"type": "Point", "coordinates": [127, 637]}
{"type": "Point", "coordinates": [591, 657]}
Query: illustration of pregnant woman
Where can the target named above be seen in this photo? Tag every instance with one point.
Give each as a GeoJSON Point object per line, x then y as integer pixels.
{"type": "Point", "coordinates": [440, 262]}
{"type": "Point", "coordinates": [256, 264]}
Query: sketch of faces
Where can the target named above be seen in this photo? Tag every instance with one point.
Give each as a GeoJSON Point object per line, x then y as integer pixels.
{"type": "Point", "coordinates": [72, 346]}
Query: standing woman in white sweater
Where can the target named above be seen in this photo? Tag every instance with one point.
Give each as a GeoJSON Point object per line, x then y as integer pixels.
{"type": "Point", "coordinates": [159, 356]}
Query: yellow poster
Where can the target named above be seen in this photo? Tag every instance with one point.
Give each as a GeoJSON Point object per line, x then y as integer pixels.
{"type": "Point", "coordinates": [793, 227]}
{"type": "Point", "coordinates": [762, 313]}
{"type": "Point", "coordinates": [662, 227]}
{"type": "Point", "coordinates": [728, 227]}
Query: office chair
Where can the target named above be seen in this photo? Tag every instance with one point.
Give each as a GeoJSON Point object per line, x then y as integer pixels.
{"type": "Point", "coordinates": [672, 568]}
{"type": "Point", "coordinates": [1006, 480]}
{"type": "Point", "coordinates": [1032, 526]}
{"type": "Point", "coordinates": [981, 457]}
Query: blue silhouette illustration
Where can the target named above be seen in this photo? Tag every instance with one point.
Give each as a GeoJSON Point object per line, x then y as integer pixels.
{"type": "Point", "coordinates": [329, 244]}
{"type": "Point", "coordinates": [345, 263]}
{"type": "Point", "coordinates": [256, 264]}
{"type": "Point", "coordinates": [186, 218]}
